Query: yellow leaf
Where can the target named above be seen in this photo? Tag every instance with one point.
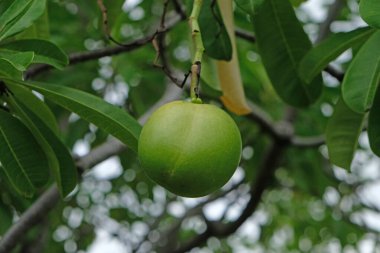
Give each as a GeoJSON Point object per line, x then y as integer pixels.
{"type": "Point", "coordinates": [229, 72]}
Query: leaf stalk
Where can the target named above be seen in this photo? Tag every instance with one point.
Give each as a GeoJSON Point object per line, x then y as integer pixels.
{"type": "Point", "coordinates": [199, 49]}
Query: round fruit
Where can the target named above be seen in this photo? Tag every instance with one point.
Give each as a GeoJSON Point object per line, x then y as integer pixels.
{"type": "Point", "coordinates": [190, 149]}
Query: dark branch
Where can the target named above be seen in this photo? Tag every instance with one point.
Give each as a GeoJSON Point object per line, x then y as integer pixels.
{"type": "Point", "coordinates": [161, 60]}
{"type": "Point", "coordinates": [280, 130]}
{"type": "Point", "coordinates": [263, 119]}
{"type": "Point", "coordinates": [245, 35]}
{"type": "Point", "coordinates": [334, 73]}
{"type": "Point", "coordinates": [163, 16]}
{"type": "Point", "coordinates": [106, 28]}
{"type": "Point", "coordinates": [80, 57]}
{"type": "Point", "coordinates": [104, 11]}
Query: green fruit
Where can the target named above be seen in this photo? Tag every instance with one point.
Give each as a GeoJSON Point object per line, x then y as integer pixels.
{"type": "Point", "coordinates": [190, 149]}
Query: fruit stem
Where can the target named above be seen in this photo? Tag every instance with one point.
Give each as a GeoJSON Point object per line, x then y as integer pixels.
{"type": "Point", "coordinates": [199, 49]}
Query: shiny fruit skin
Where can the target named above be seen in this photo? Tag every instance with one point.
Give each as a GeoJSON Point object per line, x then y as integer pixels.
{"type": "Point", "coordinates": [190, 149]}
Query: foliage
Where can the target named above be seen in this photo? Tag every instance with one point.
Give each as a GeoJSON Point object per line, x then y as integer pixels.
{"type": "Point", "coordinates": [68, 81]}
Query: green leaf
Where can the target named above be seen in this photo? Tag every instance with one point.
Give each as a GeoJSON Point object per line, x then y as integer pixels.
{"type": "Point", "coordinates": [40, 29]}
{"type": "Point", "coordinates": [59, 158]}
{"type": "Point", "coordinates": [38, 107]}
{"type": "Point", "coordinates": [20, 19]}
{"type": "Point", "coordinates": [215, 37]}
{"type": "Point", "coordinates": [38, 134]}
{"type": "Point", "coordinates": [249, 6]}
{"type": "Point", "coordinates": [12, 197]}
{"type": "Point", "coordinates": [19, 60]}
{"type": "Point", "coordinates": [363, 76]}
{"type": "Point", "coordinates": [370, 12]}
{"type": "Point", "coordinates": [108, 117]}
{"type": "Point", "coordinates": [66, 175]}
{"type": "Point", "coordinates": [45, 51]}
{"type": "Point", "coordinates": [8, 70]}
{"type": "Point", "coordinates": [342, 134]}
{"type": "Point", "coordinates": [13, 10]}
{"type": "Point", "coordinates": [374, 125]}
{"type": "Point", "coordinates": [320, 56]}
{"type": "Point", "coordinates": [282, 44]}
{"type": "Point", "coordinates": [22, 159]}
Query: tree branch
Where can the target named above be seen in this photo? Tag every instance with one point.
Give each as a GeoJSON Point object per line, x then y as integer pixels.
{"type": "Point", "coordinates": [334, 73]}
{"type": "Point", "coordinates": [279, 131]}
{"type": "Point", "coordinates": [99, 154]}
{"type": "Point", "coordinates": [307, 142]}
{"type": "Point", "coordinates": [80, 57]}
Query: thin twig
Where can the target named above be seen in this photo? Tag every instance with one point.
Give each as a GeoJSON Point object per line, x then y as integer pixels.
{"type": "Point", "coordinates": [334, 73]}
{"type": "Point", "coordinates": [240, 33]}
{"type": "Point", "coordinates": [104, 11]}
{"type": "Point", "coordinates": [178, 8]}
{"type": "Point", "coordinates": [160, 47]}
{"type": "Point", "coordinates": [163, 16]}
{"type": "Point", "coordinates": [106, 29]}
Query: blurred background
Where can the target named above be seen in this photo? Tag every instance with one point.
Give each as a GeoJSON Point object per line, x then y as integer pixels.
{"type": "Point", "coordinates": [307, 206]}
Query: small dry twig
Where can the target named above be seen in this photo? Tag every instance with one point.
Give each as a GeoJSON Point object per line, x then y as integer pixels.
{"type": "Point", "coordinates": [158, 43]}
